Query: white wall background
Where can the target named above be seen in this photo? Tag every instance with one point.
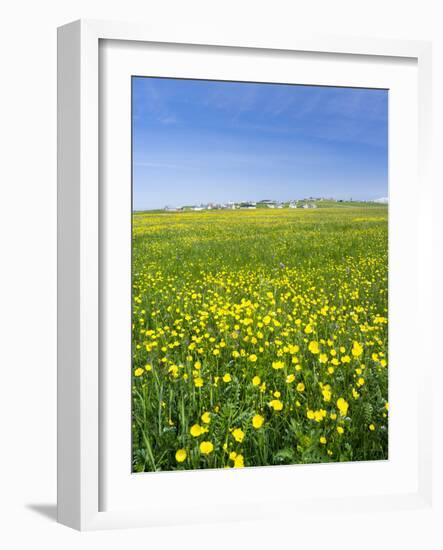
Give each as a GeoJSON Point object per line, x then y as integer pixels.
{"type": "Point", "coordinates": [28, 259]}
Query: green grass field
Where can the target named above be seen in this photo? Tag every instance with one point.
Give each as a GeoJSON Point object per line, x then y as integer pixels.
{"type": "Point", "coordinates": [260, 337]}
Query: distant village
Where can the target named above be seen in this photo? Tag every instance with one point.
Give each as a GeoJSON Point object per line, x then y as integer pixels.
{"type": "Point", "coordinates": [310, 202]}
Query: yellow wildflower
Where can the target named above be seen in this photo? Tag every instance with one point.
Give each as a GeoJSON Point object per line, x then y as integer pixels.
{"type": "Point", "coordinates": [257, 421]}
{"type": "Point", "coordinates": [343, 406]}
{"type": "Point", "coordinates": [313, 347]}
{"type": "Point", "coordinates": [239, 461]}
{"type": "Point", "coordinates": [357, 349]}
{"type": "Point", "coordinates": [206, 447]}
{"type": "Point", "coordinates": [206, 417]}
{"type": "Point", "coordinates": [196, 430]}
{"type": "Point", "coordinates": [180, 455]}
{"type": "Point", "coordinates": [238, 434]}
{"type": "Point", "coordinates": [276, 404]}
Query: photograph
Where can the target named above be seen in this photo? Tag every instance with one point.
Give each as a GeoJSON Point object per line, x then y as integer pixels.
{"type": "Point", "coordinates": [259, 274]}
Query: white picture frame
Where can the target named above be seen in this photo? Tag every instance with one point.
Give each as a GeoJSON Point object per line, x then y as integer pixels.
{"type": "Point", "coordinates": [81, 413]}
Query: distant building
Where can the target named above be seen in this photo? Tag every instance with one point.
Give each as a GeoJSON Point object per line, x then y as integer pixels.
{"type": "Point", "coordinates": [309, 205]}
{"type": "Point", "coordinates": [292, 205]}
{"type": "Point", "coordinates": [248, 205]}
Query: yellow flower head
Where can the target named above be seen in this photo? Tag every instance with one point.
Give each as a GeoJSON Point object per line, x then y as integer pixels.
{"type": "Point", "coordinates": [326, 392]}
{"type": "Point", "coordinates": [139, 371]}
{"type": "Point", "coordinates": [256, 381]}
{"type": "Point", "coordinates": [276, 404]}
{"type": "Point", "coordinates": [313, 347]}
{"type": "Point", "coordinates": [300, 387]}
{"type": "Point", "coordinates": [206, 417]}
{"type": "Point", "coordinates": [227, 377]}
{"type": "Point", "coordinates": [257, 421]}
{"type": "Point", "coordinates": [277, 365]}
{"type": "Point", "coordinates": [290, 378]}
{"type": "Point", "coordinates": [343, 406]}
{"type": "Point", "coordinates": [319, 415]}
{"type": "Point", "coordinates": [196, 430]}
{"type": "Point", "coordinates": [340, 430]}
{"type": "Point", "coordinates": [238, 434]}
{"type": "Point", "coordinates": [180, 455]}
{"type": "Point", "coordinates": [206, 447]}
{"type": "Point", "coordinates": [252, 358]}
{"type": "Point", "coordinates": [357, 349]}
{"type": "Point", "coordinates": [198, 382]}
{"type": "Point", "coordinates": [323, 440]}
{"type": "Point", "coordinates": [239, 461]}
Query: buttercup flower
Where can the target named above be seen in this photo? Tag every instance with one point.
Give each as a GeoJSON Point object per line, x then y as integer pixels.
{"type": "Point", "coordinates": [276, 404]}
{"type": "Point", "coordinates": [180, 455]}
{"type": "Point", "coordinates": [257, 421]}
{"type": "Point", "coordinates": [196, 430]}
{"type": "Point", "coordinates": [357, 349]}
{"type": "Point", "coordinates": [206, 447]}
{"type": "Point", "coordinates": [239, 461]}
{"type": "Point", "coordinates": [238, 434]}
{"type": "Point", "coordinates": [206, 417]}
{"type": "Point", "coordinates": [342, 406]}
{"type": "Point", "coordinates": [313, 347]}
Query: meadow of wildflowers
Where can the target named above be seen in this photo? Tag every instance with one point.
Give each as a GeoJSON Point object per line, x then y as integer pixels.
{"type": "Point", "coordinates": [259, 337]}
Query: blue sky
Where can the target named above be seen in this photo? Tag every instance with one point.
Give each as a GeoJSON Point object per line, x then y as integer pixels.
{"type": "Point", "coordinates": [198, 141]}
